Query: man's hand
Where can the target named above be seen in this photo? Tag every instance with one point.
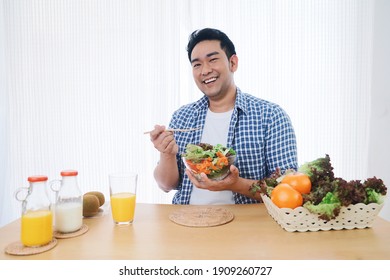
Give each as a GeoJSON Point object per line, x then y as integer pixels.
{"type": "Point", "coordinates": [163, 140]}
{"type": "Point", "coordinates": [229, 183]}
{"type": "Point", "coordinates": [166, 172]}
{"type": "Point", "coordinates": [232, 182]}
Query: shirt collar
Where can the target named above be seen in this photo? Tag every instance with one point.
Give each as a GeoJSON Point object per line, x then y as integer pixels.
{"type": "Point", "coordinates": [241, 100]}
{"type": "Point", "coordinates": [202, 104]}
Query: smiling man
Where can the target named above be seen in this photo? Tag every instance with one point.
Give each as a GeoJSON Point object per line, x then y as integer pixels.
{"type": "Point", "coordinates": [259, 131]}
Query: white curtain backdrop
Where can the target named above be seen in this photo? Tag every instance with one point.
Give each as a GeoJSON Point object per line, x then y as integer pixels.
{"type": "Point", "coordinates": [82, 79]}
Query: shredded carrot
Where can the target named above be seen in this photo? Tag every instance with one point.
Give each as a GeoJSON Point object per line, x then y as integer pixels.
{"type": "Point", "coordinates": [206, 166]}
{"type": "Point", "coordinates": [222, 160]}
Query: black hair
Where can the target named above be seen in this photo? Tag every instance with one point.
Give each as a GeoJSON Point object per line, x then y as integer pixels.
{"type": "Point", "coordinates": [210, 34]}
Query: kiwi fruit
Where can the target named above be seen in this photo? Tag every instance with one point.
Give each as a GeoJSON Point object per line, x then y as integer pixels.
{"type": "Point", "coordinates": [90, 205]}
{"type": "Point", "coordinates": [99, 195]}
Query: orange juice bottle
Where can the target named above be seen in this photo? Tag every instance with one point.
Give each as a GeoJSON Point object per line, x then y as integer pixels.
{"type": "Point", "coordinates": [37, 216]}
{"type": "Point", "coordinates": [37, 228]}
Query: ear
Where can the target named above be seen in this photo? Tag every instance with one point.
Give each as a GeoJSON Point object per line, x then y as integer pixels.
{"type": "Point", "coordinates": [233, 63]}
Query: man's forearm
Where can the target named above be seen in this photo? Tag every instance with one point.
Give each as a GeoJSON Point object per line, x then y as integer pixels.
{"type": "Point", "coordinates": [244, 187]}
{"type": "Point", "coordinates": [166, 172]}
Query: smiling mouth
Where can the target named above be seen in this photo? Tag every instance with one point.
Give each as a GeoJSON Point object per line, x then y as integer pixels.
{"type": "Point", "coordinates": [210, 80]}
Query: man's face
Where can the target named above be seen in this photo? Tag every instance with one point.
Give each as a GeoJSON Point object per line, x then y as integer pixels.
{"type": "Point", "coordinates": [212, 70]}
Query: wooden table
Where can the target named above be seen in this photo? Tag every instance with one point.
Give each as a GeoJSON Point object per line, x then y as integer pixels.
{"type": "Point", "coordinates": [252, 235]}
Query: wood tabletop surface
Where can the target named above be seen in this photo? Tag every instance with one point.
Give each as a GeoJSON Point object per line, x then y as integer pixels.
{"type": "Point", "coordinates": [251, 235]}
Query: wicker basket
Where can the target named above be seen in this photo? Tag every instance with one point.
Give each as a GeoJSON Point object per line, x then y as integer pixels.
{"type": "Point", "coordinates": [300, 219]}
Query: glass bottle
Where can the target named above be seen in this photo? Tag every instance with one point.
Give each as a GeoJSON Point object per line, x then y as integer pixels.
{"type": "Point", "coordinates": [69, 203]}
{"type": "Point", "coordinates": [37, 216]}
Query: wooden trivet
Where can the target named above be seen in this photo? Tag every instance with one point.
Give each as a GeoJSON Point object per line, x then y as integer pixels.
{"type": "Point", "coordinates": [201, 216]}
{"type": "Point", "coordinates": [17, 248]}
{"type": "Point", "coordinates": [81, 231]}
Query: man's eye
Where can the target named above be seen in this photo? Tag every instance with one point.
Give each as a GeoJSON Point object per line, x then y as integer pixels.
{"type": "Point", "coordinates": [213, 59]}
{"type": "Point", "coordinates": [196, 65]}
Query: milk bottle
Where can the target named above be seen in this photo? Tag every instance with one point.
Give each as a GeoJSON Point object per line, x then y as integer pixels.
{"type": "Point", "coordinates": [69, 203]}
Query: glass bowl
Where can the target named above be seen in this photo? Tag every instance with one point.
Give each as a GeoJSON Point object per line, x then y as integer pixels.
{"type": "Point", "coordinates": [212, 172]}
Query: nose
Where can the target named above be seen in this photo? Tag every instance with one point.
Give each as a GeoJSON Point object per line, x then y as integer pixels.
{"type": "Point", "coordinates": [206, 69]}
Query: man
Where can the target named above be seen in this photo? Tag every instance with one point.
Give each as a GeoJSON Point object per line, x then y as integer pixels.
{"type": "Point", "coordinates": [259, 131]}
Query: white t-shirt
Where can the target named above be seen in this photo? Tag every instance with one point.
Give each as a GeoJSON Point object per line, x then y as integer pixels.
{"type": "Point", "coordinates": [215, 131]}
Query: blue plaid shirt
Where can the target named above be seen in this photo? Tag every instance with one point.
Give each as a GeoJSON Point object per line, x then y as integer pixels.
{"type": "Point", "coordinates": [260, 132]}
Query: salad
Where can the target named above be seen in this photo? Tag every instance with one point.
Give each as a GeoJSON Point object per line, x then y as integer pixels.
{"type": "Point", "coordinates": [214, 161]}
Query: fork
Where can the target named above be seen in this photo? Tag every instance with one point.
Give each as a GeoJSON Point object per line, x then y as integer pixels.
{"type": "Point", "coordinates": [177, 130]}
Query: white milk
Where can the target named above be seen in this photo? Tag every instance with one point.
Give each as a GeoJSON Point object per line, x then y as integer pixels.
{"type": "Point", "coordinates": [68, 217]}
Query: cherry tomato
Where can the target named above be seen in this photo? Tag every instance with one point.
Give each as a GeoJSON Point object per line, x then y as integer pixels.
{"type": "Point", "coordinates": [284, 196]}
{"type": "Point", "coordinates": [299, 181]}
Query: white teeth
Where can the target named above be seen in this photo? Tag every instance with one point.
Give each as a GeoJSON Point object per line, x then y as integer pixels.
{"type": "Point", "coordinates": [210, 80]}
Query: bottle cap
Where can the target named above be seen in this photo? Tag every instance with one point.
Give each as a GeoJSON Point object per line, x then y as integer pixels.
{"type": "Point", "coordinates": [38, 178]}
{"type": "Point", "coordinates": [69, 173]}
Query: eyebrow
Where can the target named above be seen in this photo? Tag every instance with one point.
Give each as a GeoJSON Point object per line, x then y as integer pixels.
{"type": "Point", "coordinates": [208, 55]}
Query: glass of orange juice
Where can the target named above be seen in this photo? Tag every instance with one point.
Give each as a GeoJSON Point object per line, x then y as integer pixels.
{"type": "Point", "coordinates": [123, 190]}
